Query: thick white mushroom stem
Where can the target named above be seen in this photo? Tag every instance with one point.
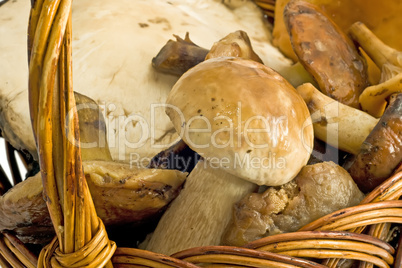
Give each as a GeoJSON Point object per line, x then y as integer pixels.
{"type": "Point", "coordinates": [379, 52]}
{"type": "Point", "coordinates": [202, 211]}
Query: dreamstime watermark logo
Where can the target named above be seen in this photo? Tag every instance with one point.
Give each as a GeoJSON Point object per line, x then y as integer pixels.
{"type": "Point", "coordinates": [230, 132]}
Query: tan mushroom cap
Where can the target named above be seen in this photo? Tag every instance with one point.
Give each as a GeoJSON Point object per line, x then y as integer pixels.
{"type": "Point", "coordinates": [243, 117]}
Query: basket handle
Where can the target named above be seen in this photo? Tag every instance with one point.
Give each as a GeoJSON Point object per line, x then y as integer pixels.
{"type": "Point", "coordinates": [81, 239]}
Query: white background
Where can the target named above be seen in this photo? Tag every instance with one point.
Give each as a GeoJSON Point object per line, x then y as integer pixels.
{"type": "Point", "coordinates": [4, 161]}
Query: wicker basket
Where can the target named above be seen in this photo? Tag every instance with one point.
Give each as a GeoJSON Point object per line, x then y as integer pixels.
{"type": "Point", "coordinates": [355, 233]}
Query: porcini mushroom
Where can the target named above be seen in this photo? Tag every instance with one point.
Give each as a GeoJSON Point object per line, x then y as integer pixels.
{"type": "Point", "coordinates": [251, 127]}
{"type": "Point", "coordinates": [113, 44]}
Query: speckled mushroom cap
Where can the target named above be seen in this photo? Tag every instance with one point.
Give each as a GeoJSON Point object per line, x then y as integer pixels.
{"type": "Point", "coordinates": [243, 117]}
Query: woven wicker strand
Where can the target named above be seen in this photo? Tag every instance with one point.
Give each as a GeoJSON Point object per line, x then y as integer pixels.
{"type": "Point", "coordinates": [19, 250]}
{"type": "Point", "coordinates": [328, 245]}
{"type": "Point", "coordinates": [81, 237]}
{"type": "Point", "coordinates": [8, 255]}
{"type": "Point", "coordinates": [241, 256]}
{"type": "Point", "coordinates": [391, 189]}
{"type": "Point", "coordinates": [398, 256]}
{"type": "Point", "coordinates": [124, 257]}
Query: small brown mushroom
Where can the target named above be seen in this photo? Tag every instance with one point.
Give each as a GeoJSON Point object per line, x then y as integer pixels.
{"type": "Point", "coordinates": [381, 152]}
{"type": "Point", "coordinates": [326, 52]}
{"type": "Point", "coordinates": [176, 57]}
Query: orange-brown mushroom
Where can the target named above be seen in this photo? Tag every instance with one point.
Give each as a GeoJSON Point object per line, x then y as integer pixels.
{"type": "Point", "coordinates": [326, 52]}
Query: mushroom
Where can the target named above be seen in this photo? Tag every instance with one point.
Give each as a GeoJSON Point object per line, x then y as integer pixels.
{"type": "Point", "coordinates": [374, 98]}
{"type": "Point", "coordinates": [381, 151]}
{"type": "Point", "coordinates": [335, 123]}
{"type": "Point", "coordinates": [316, 191]}
{"type": "Point", "coordinates": [326, 52]}
{"type": "Point", "coordinates": [121, 193]}
{"type": "Point", "coordinates": [92, 125]}
{"type": "Point", "coordinates": [176, 57]}
{"type": "Point", "coordinates": [382, 16]}
{"type": "Point", "coordinates": [250, 126]}
{"type": "Point", "coordinates": [114, 43]}
{"type": "Point", "coordinates": [236, 44]}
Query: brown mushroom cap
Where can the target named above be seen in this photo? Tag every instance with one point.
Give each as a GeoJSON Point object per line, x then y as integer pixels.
{"type": "Point", "coordinates": [243, 117]}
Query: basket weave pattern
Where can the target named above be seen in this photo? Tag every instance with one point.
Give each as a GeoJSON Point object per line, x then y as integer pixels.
{"type": "Point", "coordinates": [356, 233]}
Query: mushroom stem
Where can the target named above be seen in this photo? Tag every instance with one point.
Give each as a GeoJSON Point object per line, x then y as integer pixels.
{"type": "Point", "coordinates": [202, 211]}
{"type": "Point", "coordinates": [373, 99]}
{"type": "Point", "coordinates": [337, 124]}
{"type": "Point", "coordinates": [379, 52]}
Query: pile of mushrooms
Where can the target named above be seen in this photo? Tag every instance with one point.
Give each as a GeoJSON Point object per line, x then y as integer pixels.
{"type": "Point", "coordinates": [250, 126]}
{"type": "Point", "coordinates": [206, 103]}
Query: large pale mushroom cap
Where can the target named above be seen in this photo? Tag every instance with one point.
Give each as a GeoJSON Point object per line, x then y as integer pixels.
{"type": "Point", "coordinates": [244, 117]}
{"type": "Point", "coordinates": [113, 45]}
